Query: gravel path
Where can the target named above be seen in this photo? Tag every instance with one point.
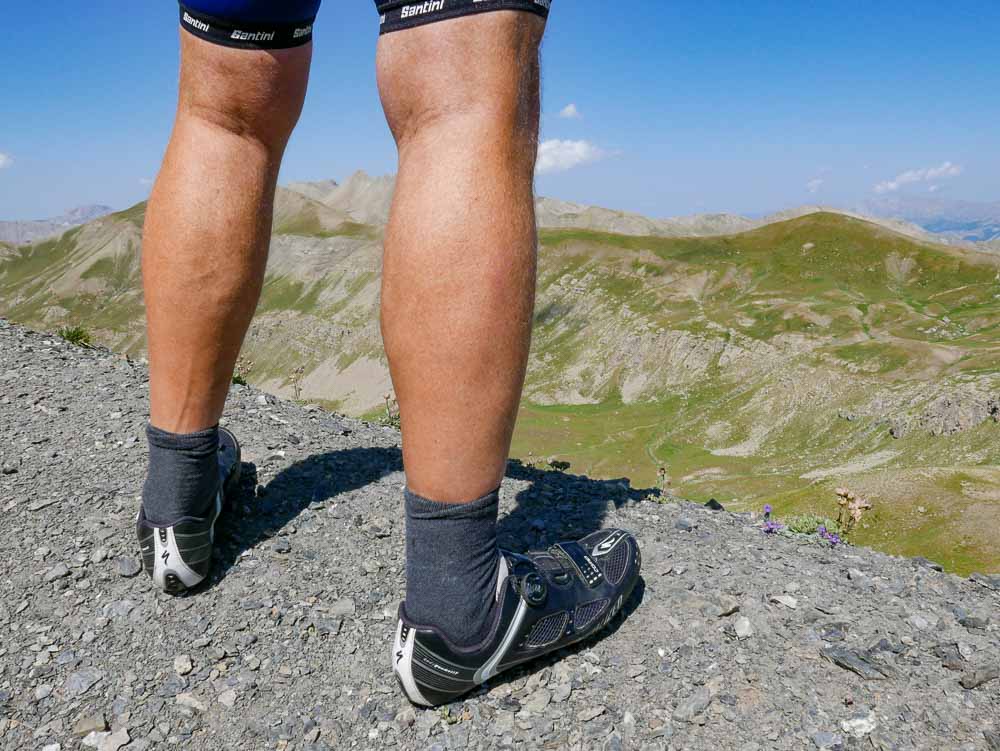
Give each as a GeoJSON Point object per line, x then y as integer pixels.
{"type": "Point", "coordinates": [735, 640]}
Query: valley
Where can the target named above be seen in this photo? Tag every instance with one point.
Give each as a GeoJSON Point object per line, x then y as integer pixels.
{"type": "Point", "coordinates": [768, 362]}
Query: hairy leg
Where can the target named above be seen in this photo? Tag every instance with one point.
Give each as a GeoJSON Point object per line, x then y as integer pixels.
{"type": "Point", "coordinates": [208, 223]}
{"type": "Point", "coordinates": [462, 100]}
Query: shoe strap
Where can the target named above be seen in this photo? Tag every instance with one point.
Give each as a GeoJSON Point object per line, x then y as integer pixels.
{"type": "Point", "coordinates": [583, 565]}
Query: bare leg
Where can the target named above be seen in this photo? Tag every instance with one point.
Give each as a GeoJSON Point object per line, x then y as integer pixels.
{"type": "Point", "coordinates": [462, 99]}
{"type": "Point", "coordinates": [208, 224]}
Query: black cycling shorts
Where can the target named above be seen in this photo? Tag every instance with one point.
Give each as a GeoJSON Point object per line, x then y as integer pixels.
{"type": "Point", "coordinates": [277, 24]}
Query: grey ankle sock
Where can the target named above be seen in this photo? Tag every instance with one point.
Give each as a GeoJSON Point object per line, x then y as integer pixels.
{"type": "Point", "coordinates": [183, 475]}
{"type": "Point", "coordinates": [452, 561]}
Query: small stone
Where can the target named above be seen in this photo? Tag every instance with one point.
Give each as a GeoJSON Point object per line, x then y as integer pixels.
{"type": "Point", "coordinates": [81, 682]}
{"type": "Point", "coordinates": [694, 705]}
{"type": "Point", "coordinates": [282, 545]}
{"type": "Point", "coordinates": [856, 663]}
{"type": "Point", "coordinates": [973, 623]}
{"type": "Point", "coordinates": [114, 741]}
{"type": "Point", "coordinates": [56, 572]}
{"type": "Point", "coordinates": [88, 724]}
{"type": "Point", "coordinates": [824, 739]}
{"type": "Point", "coordinates": [860, 725]}
{"type": "Point", "coordinates": [726, 606]}
{"type": "Point", "coordinates": [538, 701]}
{"type": "Point", "coordinates": [919, 622]}
{"type": "Point", "coordinates": [787, 600]}
{"type": "Point", "coordinates": [99, 555]}
{"type": "Point", "coordinates": [228, 698]}
{"type": "Point", "coordinates": [183, 664]}
{"type": "Point", "coordinates": [127, 566]}
{"type": "Point", "coordinates": [743, 628]}
{"type": "Point", "coordinates": [52, 747]}
{"type": "Point", "coordinates": [589, 713]}
{"type": "Point", "coordinates": [191, 702]}
{"type": "Point", "coordinates": [93, 740]}
{"type": "Point", "coordinates": [980, 676]}
{"type": "Point", "coordinates": [684, 525]}
{"type": "Point", "coordinates": [561, 692]}
{"type": "Point", "coordinates": [342, 607]}
{"type": "Point", "coordinates": [42, 692]}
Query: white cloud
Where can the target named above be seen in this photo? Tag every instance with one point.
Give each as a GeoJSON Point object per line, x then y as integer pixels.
{"type": "Point", "coordinates": [5, 160]}
{"type": "Point", "coordinates": [557, 156]}
{"type": "Point", "coordinates": [814, 185]}
{"type": "Point", "coordinates": [145, 181]}
{"type": "Point", "coordinates": [570, 112]}
{"type": "Point", "coordinates": [934, 189]}
{"type": "Point", "coordinates": [926, 174]}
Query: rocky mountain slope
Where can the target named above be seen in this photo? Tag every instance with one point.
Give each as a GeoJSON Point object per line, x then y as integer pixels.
{"type": "Point", "coordinates": [20, 232]}
{"type": "Point", "coordinates": [768, 366]}
{"type": "Point", "coordinates": [734, 640]}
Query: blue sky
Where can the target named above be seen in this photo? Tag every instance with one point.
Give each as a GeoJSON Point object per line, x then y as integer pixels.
{"type": "Point", "coordinates": [718, 105]}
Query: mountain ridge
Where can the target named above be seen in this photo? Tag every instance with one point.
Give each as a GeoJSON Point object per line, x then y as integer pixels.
{"type": "Point", "coordinates": [18, 232]}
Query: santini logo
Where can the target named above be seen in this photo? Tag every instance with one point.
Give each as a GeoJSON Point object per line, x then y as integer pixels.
{"type": "Point", "coordinates": [299, 33]}
{"type": "Point", "coordinates": [418, 10]}
{"type": "Point", "coordinates": [191, 21]}
{"type": "Point", "coordinates": [253, 36]}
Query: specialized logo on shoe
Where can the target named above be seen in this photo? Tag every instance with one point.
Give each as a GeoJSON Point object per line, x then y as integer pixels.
{"type": "Point", "coordinates": [418, 10]}
{"type": "Point", "coordinates": [194, 22]}
{"type": "Point", "coordinates": [165, 556]}
{"type": "Point", "coordinates": [607, 544]}
{"type": "Point", "coordinates": [399, 656]}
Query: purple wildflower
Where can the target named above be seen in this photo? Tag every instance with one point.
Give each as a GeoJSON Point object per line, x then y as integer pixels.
{"type": "Point", "coordinates": [830, 537]}
{"type": "Point", "coordinates": [771, 528]}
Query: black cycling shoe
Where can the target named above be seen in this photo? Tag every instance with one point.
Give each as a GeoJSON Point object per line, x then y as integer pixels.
{"type": "Point", "coordinates": [545, 601]}
{"type": "Point", "coordinates": [179, 557]}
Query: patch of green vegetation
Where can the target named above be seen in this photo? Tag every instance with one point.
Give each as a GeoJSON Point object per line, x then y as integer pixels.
{"type": "Point", "coordinates": [135, 214]}
{"type": "Point", "coordinates": [809, 524]}
{"type": "Point", "coordinates": [309, 224]}
{"type": "Point", "coordinates": [121, 272]}
{"type": "Point", "coordinates": [76, 335]}
{"type": "Point", "coordinates": [32, 263]}
{"type": "Point", "coordinates": [885, 357]}
{"type": "Point", "coordinates": [282, 293]}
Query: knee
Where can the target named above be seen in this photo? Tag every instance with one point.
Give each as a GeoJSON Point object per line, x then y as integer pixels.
{"type": "Point", "coordinates": [251, 95]}
{"type": "Point", "coordinates": [470, 77]}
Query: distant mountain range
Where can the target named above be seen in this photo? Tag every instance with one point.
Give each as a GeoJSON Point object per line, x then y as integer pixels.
{"type": "Point", "coordinates": [967, 221]}
{"type": "Point", "coordinates": [19, 232]}
{"type": "Point", "coordinates": [365, 199]}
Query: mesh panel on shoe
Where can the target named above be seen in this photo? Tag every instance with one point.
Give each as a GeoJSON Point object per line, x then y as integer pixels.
{"type": "Point", "coordinates": [547, 630]}
{"type": "Point", "coordinates": [586, 613]}
{"type": "Point", "coordinates": [615, 563]}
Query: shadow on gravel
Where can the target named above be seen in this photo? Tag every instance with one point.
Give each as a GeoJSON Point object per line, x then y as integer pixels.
{"type": "Point", "coordinates": [560, 506]}
{"type": "Point", "coordinates": [313, 480]}
{"type": "Point", "coordinates": [554, 506]}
